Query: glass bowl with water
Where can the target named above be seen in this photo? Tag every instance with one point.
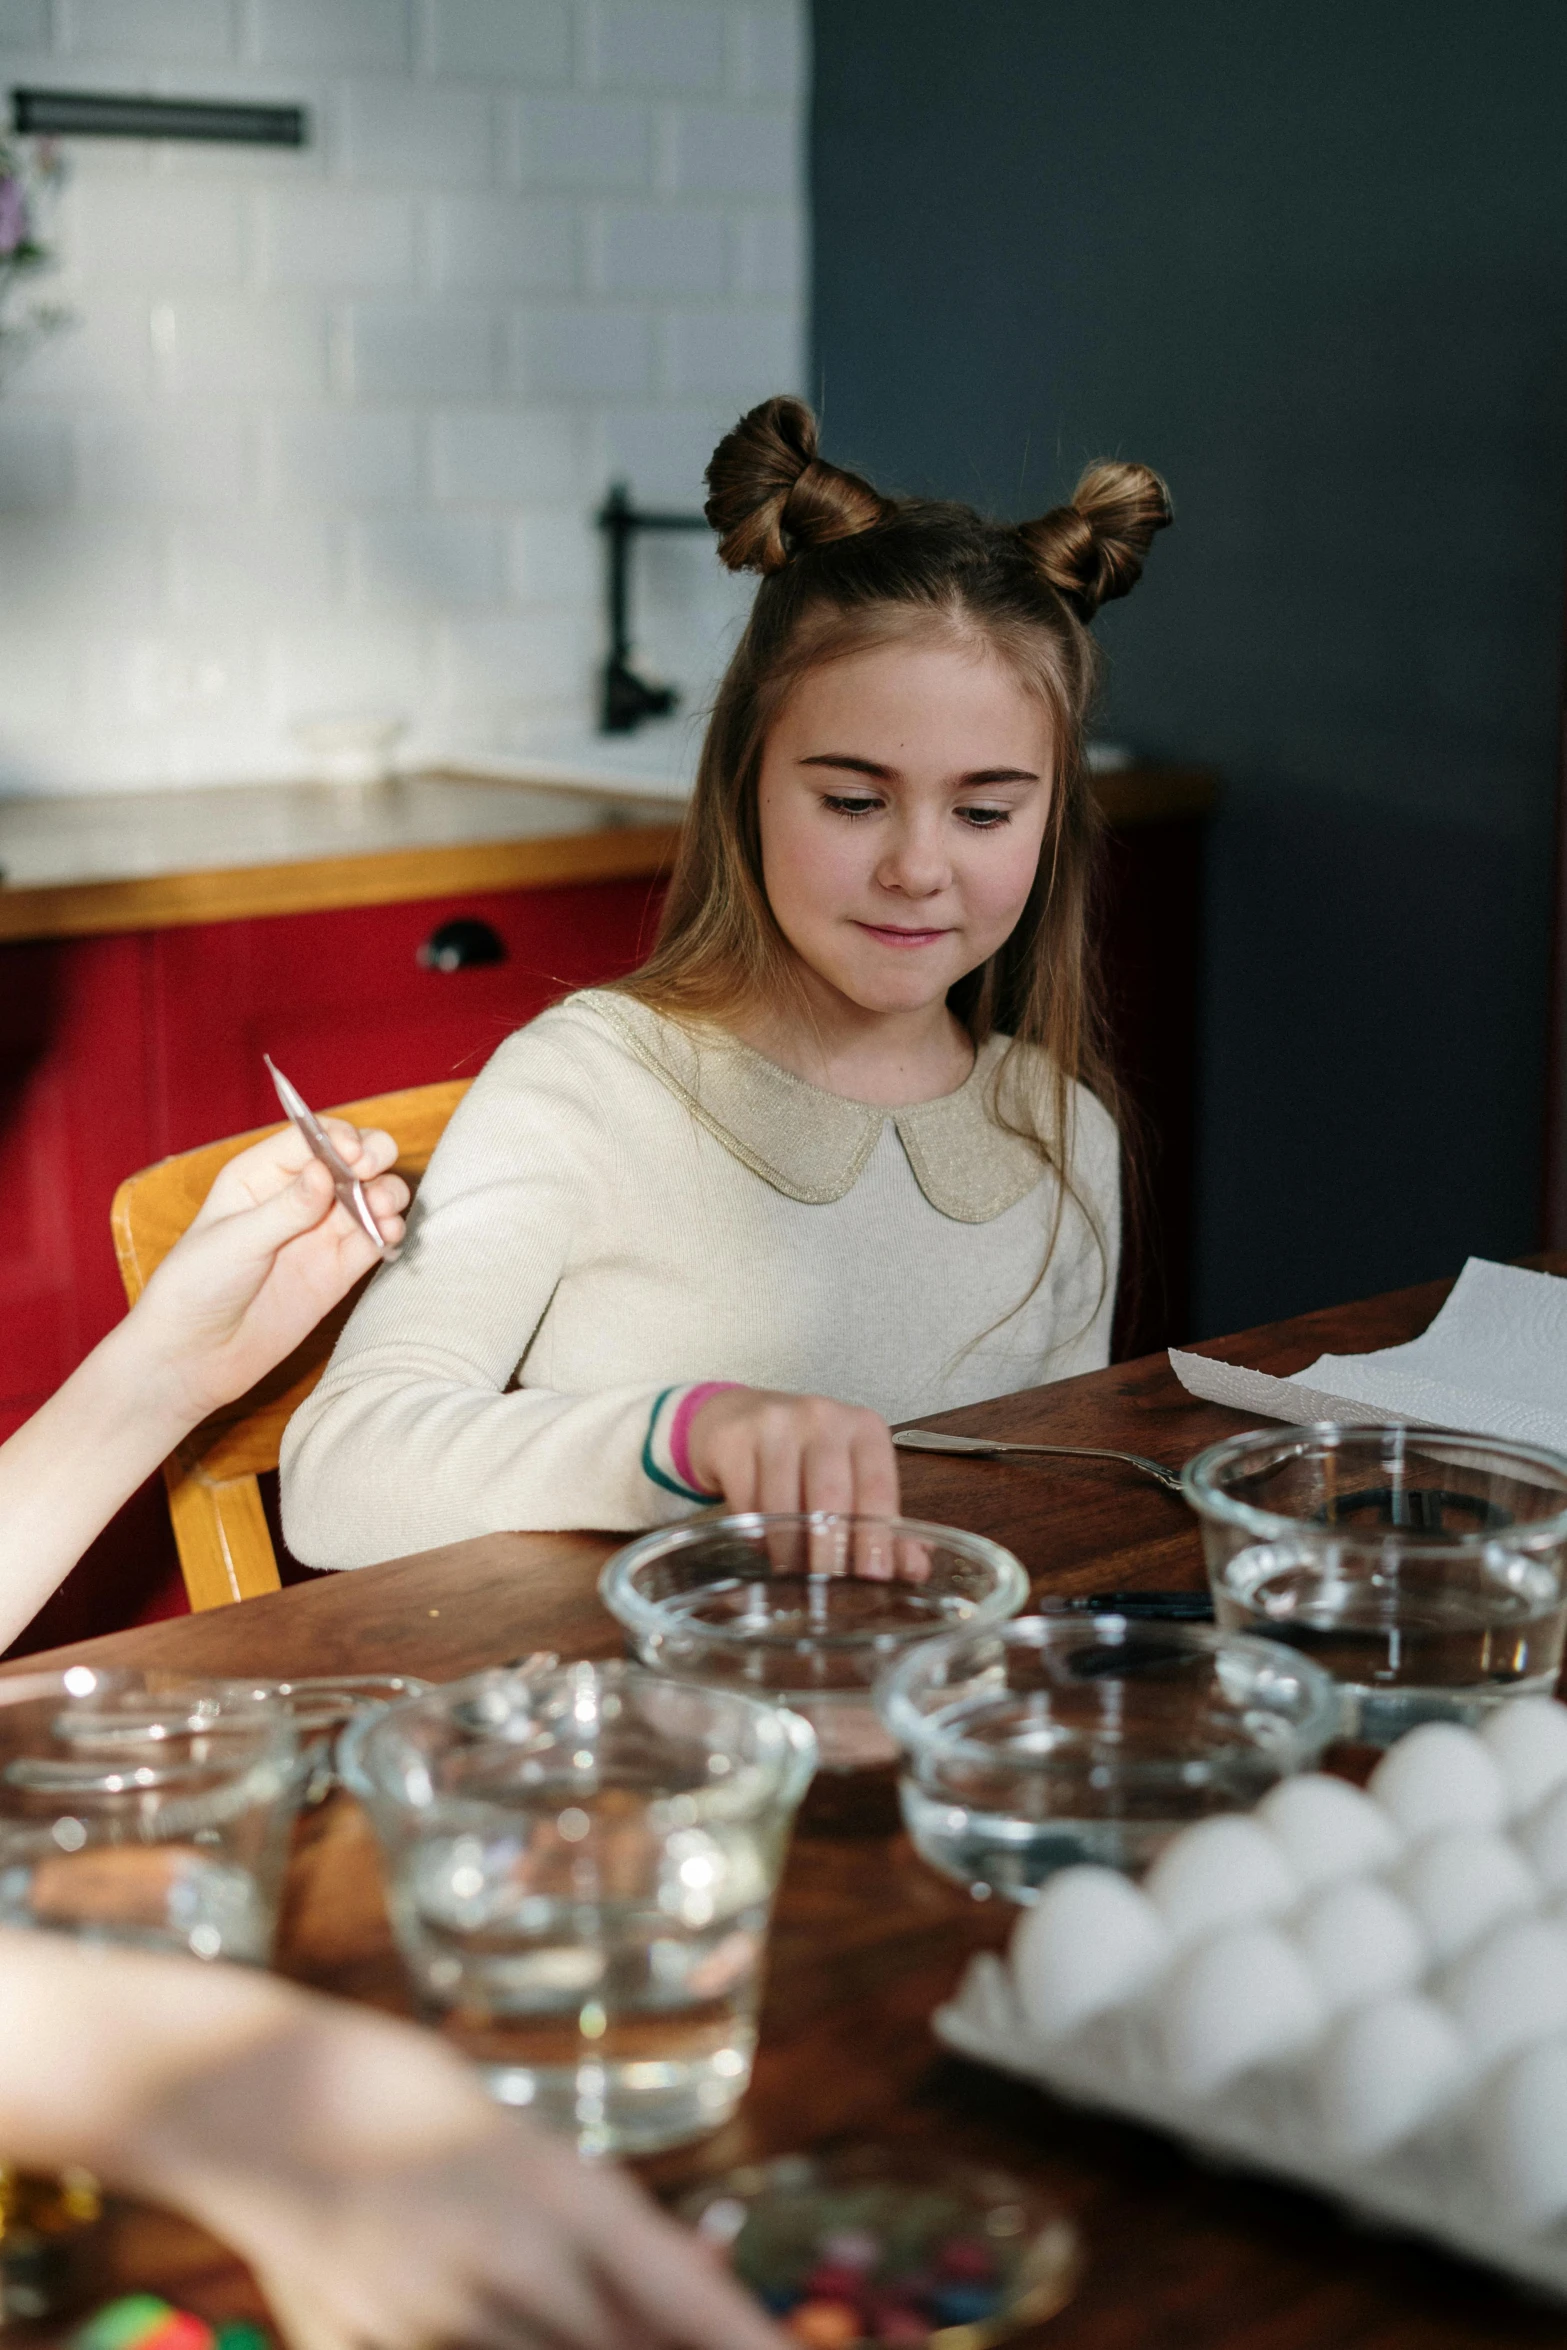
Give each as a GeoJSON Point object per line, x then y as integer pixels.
{"type": "Point", "coordinates": [1061, 1738]}
{"type": "Point", "coordinates": [148, 1809]}
{"type": "Point", "coordinates": [1426, 1573]}
{"type": "Point", "coordinates": [806, 1610]}
{"type": "Point", "coordinates": [580, 1863]}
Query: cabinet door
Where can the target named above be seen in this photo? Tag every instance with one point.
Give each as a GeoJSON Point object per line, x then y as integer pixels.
{"type": "Point", "coordinates": [342, 1002]}
{"type": "Point", "coordinates": [74, 1118]}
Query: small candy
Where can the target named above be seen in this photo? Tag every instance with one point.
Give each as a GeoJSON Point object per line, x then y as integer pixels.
{"type": "Point", "coordinates": [832, 2280]}
{"type": "Point", "coordinates": [965, 2305]}
{"type": "Point", "coordinates": [854, 2248]}
{"type": "Point", "coordinates": [902, 2328]}
{"type": "Point", "coordinates": [180, 2330]}
{"type": "Point", "coordinates": [123, 2323]}
{"type": "Point", "coordinates": [966, 2260]}
{"type": "Point", "coordinates": [143, 2322]}
{"type": "Point", "coordinates": [824, 2325]}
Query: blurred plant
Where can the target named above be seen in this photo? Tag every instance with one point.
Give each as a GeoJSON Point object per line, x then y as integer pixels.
{"type": "Point", "coordinates": [28, 185]}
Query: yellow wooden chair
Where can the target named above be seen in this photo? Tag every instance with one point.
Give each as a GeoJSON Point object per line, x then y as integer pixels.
{"type": "Point", "coordinates": [214, 1500]}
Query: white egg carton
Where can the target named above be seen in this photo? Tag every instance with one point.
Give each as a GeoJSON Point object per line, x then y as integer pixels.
{"type": "Point", "coordinates": [1365, 1994]}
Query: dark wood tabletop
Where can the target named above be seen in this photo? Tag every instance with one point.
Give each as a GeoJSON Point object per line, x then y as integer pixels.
{"type": "Point", "coordinates": [867, 1940]}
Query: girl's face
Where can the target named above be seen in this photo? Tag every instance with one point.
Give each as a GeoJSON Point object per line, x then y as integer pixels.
{"type": "Point", "coordinates": [903, 799]}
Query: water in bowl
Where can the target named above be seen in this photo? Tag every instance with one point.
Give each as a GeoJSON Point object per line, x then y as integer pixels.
{"type": "Point", "coordinates": [1047, 1796]}
{"type": "Point", "coordinates": [604, 1978]}
{"type": "Point", "coordinates": [1423, 1640]}
{"type": "Point", "coordinates": [167, 1897]}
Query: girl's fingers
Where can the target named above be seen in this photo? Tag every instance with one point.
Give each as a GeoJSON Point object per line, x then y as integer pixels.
{"type": "Point", "coordinates": [298, 1208]}
{"type": "Point", "coordinates": [687, 2299]}
{"type": "Point", "coordinates": [737, 1478]}
{"type": "Point", "coordinates": [827, 1474]}
{"type": "Point", "coordinates": [387, 1197]}
{"type": "Point", "coordinates": [876, 1492]}
{"type": "Point", "coordinates": [369, 1150]}
{"type": "Point", "coordinates": [778, 1470]}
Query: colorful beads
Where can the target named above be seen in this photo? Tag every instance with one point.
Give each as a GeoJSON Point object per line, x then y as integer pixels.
{"type": "Point", "coordinates": [859, 2291]}
{"type": "Point", "coordinates": [141, 2321]}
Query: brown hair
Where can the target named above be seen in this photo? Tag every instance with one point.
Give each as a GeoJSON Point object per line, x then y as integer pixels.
{"type": "Point", "coordinates": [844, 568]}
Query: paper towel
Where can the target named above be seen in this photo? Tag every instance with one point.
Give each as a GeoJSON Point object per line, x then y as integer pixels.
{"type": "Point", "coordinates": [1493, 1363]}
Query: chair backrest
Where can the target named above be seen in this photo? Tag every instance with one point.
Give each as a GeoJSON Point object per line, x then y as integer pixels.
{"type": "Point", "coordinates": [220, 1527]}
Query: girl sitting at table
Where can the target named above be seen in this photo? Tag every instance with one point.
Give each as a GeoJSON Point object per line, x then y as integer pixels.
{"type": "Point", "coordinates": [843, 1151]}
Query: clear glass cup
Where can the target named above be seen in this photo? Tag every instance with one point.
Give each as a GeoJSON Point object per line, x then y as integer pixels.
{"type": "Point", "coordinates": [1063, 1738]}
{"type": "Point", "coordinates": [1426, 1573]}
{"type": "Point", "coordinates": [145, 1808]}
{"type": "Point", "coordinates": [321, 1706]}
{"type": "Point", "coordinates": [806, 1610]}
{"type": "Point", "coordinates": [581, 1861]}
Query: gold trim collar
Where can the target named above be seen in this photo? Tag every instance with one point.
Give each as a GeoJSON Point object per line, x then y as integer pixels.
{"type": "Point", "coordinates": [814, 1146]}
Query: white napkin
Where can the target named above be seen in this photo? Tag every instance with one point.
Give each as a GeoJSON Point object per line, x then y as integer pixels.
{"type": "Point", "coordinates": [1493, 1363]}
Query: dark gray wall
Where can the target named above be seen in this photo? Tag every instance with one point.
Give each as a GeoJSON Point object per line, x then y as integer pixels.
{"type": "Point", "coordinates": [1312, 263]}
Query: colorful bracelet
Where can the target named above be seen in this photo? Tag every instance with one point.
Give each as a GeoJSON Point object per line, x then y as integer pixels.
{"type": "Point", "coordinates": [691, 1401]}
{"type": "Point", "coordinates": [680, 1427]}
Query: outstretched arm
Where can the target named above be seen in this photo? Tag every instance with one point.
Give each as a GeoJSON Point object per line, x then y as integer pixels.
{"type": "Point", "coordinates": [268, 1254]}
{"type": "Point", "coordinates": [382, 2200]}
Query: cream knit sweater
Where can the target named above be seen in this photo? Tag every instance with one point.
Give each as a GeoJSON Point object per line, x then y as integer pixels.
{"type": "Point", "coordinates": [618, 1211]}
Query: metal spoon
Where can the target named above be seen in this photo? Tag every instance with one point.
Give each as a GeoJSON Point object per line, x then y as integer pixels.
{"type": "Point", "coordinates": [986, 1447]}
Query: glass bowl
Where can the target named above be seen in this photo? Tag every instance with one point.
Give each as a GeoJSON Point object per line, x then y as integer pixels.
{"type": "Point", "coordinates": [1426, 1573]}
{"type": "Point", "coordinates": [806, 1610]}
{"type": "Point", "coordinates": [1061, 1738]}
{"type": "Point", "coordinates": [890, 2246]}
{"type": "Point", "coordinates": [321, 1706]}
{"type": "Point", "coordinates": [147, 1808]}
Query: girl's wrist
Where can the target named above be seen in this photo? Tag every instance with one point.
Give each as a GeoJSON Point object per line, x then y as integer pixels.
{"type": "Point", "coordinates": [680, 1427]}
{"type": "Point", "coordinates": [146, 1380]}
{"type": "Point", "coordinates": [666, 1449]}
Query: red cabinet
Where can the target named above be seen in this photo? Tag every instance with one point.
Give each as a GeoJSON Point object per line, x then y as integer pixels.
{"type": "Point", "coordinates": [116, 1051]}
{"type": "Point", "coordinates": [342, 1002]}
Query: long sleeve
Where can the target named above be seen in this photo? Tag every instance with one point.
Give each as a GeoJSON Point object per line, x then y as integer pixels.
{"type": "Point", "coordinates": [415, 1436]}
{"type": "Point", "coordinates": [605, 1225]}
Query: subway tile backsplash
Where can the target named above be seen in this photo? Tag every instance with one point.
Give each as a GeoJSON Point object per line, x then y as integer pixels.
{"type": "Point", "coordinates": [329, 429]}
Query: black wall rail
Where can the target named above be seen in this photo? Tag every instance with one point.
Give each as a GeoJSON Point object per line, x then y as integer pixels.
{"type": "Point", "coordinates": [81, 114]}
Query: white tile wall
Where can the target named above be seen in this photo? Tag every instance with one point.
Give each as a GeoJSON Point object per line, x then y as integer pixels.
{"type": "Point", "coordinates": [330, 429]}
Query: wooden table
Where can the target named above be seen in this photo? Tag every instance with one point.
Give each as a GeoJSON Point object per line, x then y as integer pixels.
{"type": "Point", "coordinates": [868, 1941]}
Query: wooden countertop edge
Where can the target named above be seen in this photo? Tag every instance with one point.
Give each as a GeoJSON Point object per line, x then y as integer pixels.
{"type": "Point", "coordinates": [166, 901]}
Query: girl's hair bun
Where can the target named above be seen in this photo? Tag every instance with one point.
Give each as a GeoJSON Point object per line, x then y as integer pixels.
{"type": "Point", "coordinates": [771, 496]}
{"type": "Point", "coordinates": [1093, 549]}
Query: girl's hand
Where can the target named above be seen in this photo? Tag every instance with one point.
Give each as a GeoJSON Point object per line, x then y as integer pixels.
{"type": "Point", "coordinates": [384, 2203]}
{"type": "Point", "coordinates": [267, 1255]}
{"type": "Point", "coordinates": [766, 1451]}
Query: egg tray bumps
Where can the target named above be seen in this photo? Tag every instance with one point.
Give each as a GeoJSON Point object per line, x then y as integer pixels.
{"type": "Point", "coordinates": [1365, 1993]}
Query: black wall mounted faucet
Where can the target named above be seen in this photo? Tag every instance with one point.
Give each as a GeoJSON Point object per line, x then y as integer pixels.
{"type": "Point", "coordinates": [628, 699]}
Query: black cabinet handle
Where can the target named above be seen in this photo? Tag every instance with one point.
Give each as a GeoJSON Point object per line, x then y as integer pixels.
{"type": "Point", "coordinates": [461, 945]}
